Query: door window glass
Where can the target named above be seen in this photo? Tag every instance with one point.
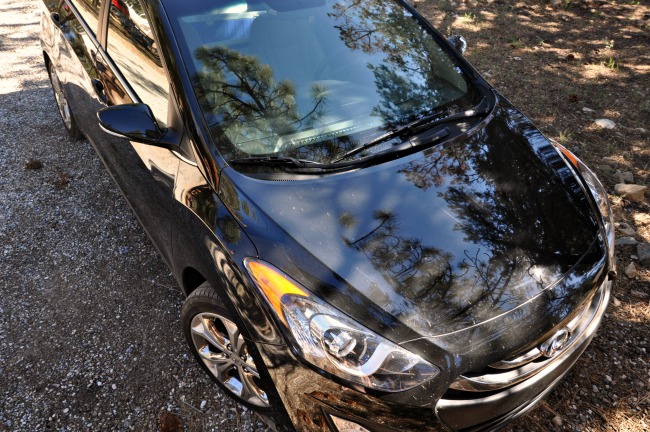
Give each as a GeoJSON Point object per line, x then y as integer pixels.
{"type": "Point", "coordinates": [132, 47]}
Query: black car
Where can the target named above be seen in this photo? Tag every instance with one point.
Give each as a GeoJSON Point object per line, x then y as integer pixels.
{"type": "Point", "coordinates": [369, 235]}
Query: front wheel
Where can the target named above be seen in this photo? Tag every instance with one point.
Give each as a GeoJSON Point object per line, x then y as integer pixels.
{"type": "Point", "coordinates": [217, 343]}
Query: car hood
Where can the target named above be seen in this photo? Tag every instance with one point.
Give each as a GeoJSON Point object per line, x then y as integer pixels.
{"type": "Point", "coordinates": [441, 240]}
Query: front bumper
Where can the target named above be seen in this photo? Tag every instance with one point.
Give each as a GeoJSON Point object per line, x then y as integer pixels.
{"type": "Point", "coordinates": [315, 402]}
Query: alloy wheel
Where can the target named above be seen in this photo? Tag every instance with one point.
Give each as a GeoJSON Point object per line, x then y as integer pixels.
{"type": "Point", "coordinates": [223, 350]}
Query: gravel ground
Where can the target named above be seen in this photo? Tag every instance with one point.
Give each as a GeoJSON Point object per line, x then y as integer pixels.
{"type": "Point", "coordinates": [89, 331]}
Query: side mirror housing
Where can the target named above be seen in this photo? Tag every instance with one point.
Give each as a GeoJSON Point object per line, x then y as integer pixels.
{"type": "Point", "coordinates": [458, 42]}
{"type": "Point", "coordinates": [135, 122]}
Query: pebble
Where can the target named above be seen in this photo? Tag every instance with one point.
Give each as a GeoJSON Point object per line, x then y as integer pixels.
{"type": "Point", "coordinates": [643, 253]}
{"type": "Point", "coordinates": [631, 271]}
{"type": "Point", "coordinates": [625, 229]}
{"type": "Point", "coordinates": [588, 110]}
{"type": "Point", "coordinates": [557, 421]}
{"type": "Point", "coordinates": [624, 176]}
{"type": "Point", "coordinates": [605, 123]}
{"type": "Point", "coordinates": [615, 302]}
{"type": "Point", "coordinates": [625, 241]}
{"type": "Point", "coordinates": [609, 160]}
{"type": "Point", "coordinates": [632, 192]}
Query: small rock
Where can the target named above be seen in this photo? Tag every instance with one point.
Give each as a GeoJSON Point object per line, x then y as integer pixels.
{"type": "Point", "coordinates": [625, 229]}
{"type": "Point", "coordinates": [641, 130]}
{"type": "Point", "coordinates": [594, 388]}
{"type": "Point", "coordinates": [587, 110]}
{"type": "Point", "coordinates": [643, 252]}
{"type": "Point", "coordinates": [203, 404]}
{"type": "Point", "coordinates": [624, 176]}
{"type": "Point", "coordinates": [608, 378]}
{"type": "Point", "coordinates": [113, 386]}
{"type": "Point", "coordinates": [557, 421]}
{"type": "Point", "coordinates": [169, 422]}
{"type": "Point", "coordinates": [615, 302]}
{"type": "Point", "coordinates": [33, 164]}
{"type": "Point", "coordinates": [517, 58]}
{"type": "Point", "coordinates": [631, 271]}
{"type": "Point", "coordinates": [639, 294]}
{"type": "Point", "coordinates": [609, 160]}
{"type": "Point", "coordinates": [605, 123]}
{"type": "Point", "coordinates": [625, 241]}
{"type": "Point", "coordinates": [633, 192]}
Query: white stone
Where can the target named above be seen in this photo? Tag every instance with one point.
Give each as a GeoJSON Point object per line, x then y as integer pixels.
{"type": "Point", "coordinates": [632, 192]}
{"type": "Point", "coordinates": [587, 110]}
{"type": "Point", "coordinates": [631, 271]}
{"type": "Point", "coordinates": [605, 123]}
{"type": "Point", "coordinates": [203, 404]}
{"type": "Point", "coordinates": [557, 421]}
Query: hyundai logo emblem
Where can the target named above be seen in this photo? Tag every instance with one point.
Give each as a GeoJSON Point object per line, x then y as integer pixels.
{"type": "Point", "coordinates": [555, 343]}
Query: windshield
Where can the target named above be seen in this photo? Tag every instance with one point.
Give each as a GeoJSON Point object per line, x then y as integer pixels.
{"type": "Point", "coordinates": [313, 79]}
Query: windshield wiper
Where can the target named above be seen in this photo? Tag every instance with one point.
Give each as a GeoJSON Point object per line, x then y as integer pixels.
{"type": "Point", "coordinates": [416, 126]}
{"type": "Point", "coordinates": [278, 161]}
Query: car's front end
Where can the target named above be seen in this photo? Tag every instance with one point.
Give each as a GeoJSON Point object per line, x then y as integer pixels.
{"type": "Point", "coordinates": [425, 258]}
{"type": "Point", "coordinates": [485, 297]}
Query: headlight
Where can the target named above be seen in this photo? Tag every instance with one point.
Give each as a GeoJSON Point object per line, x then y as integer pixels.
{"type": "Point", "coordinates": [335, 343]}
{"type": "Point", "coordinates": [600, 196]}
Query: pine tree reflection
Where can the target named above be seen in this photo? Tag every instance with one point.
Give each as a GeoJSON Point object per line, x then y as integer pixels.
{"type": "Point", "coordinates": [419, 270]}
{"type": "Point", "coordinates": [250, 107]}
{"type": "Point", "coordinates": [513, 246]}
{"type": "Point", "coordinates": [415, 76]}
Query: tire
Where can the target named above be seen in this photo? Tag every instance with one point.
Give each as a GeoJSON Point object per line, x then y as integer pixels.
{"type": "Point", "coordinates": [210, 330]}
{"type": "Point", "coordinates": [62, 103]}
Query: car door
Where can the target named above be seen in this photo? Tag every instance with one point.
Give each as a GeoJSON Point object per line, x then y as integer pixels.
{"type": "Point", "coordinates": [105, 54]}
{"type": "Point", "coordinates": [130, 70]}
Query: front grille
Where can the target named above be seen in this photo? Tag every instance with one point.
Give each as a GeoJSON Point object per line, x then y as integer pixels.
{"type": "Point", "coordinates": [508, 372]}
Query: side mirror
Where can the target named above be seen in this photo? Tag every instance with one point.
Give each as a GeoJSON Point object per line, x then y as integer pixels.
{"type": "Point", "coordinates": [135, 122]}
{"type": "Point", "coordinates": [458, 42]}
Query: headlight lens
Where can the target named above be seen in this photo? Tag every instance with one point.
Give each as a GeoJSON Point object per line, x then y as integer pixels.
{"type": "Point", "coordinates": [600, 196]}
{"type": "Point", "coordinates": [335, 343]}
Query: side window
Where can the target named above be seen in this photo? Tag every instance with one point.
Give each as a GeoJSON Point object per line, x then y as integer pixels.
{"type": "Point", "coordinates": [132, 48]}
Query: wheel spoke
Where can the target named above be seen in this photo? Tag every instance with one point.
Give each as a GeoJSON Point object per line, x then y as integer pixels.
{"type": "Point", "coordinates": [217, 362]}
{"type": "Point", "coordinates": [250, 392]}
{"type": "Point", "coordinates": [206, 329]}
{"type": "Point", "coordinates": [233, 336]}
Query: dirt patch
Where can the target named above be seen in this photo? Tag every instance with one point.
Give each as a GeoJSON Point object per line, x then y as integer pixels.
{"type": "Point", "coordinates": [567, 64]}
